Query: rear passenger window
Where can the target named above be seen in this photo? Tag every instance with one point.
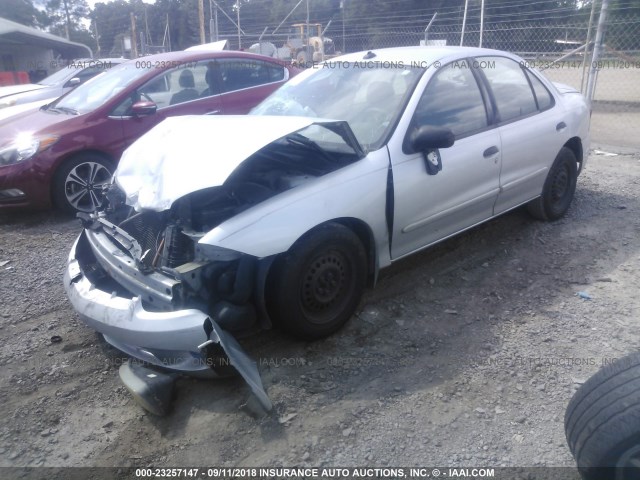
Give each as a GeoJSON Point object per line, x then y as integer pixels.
{"type": "Point", "coordinates": [544, 98]}
{"type": "Point", "coordinates": [511, 90]}
{"type": "Point", "coordinates": [452, 99]}
{"type": "Point", "coordinates": [239, 74]}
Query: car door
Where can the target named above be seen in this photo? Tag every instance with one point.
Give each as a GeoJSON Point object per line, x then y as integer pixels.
{"type": "Point", "coordinates": [183, 90]}
{"type": "Point", "coordinates": [246, 82]}
{"type": "Point", "coordinates": [530, 125]}
{"type": "Point", "coordinates": [430, 207]}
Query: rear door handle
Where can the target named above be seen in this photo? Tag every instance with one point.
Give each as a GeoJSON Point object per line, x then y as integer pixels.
{"type": "Point", "coordinates": [561, 126]}
{"type": "Point", "coordinates": [490, 152]}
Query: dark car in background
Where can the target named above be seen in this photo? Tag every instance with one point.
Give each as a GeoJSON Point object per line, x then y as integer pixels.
{"type": "Point", "coordinates": [58, 83]}
{"type": "Point", "coordinates": [63, 153]}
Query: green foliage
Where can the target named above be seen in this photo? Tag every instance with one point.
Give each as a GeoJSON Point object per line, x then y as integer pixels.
{"type": "Point", "coordinates": [20, 11]}
{"type": "Point", "coordinates": [64, 17]}
{"type": "Point", "coordinates": [370, 19]}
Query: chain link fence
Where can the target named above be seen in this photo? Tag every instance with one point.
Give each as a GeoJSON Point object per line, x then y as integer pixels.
{"type": "Point", "coordinates": [561, 50]}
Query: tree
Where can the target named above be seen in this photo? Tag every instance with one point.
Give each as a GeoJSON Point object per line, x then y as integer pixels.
{"type": "Point", "coordinates": [66, 16]}
{"type": "Point", "coordinates": [21, 11]}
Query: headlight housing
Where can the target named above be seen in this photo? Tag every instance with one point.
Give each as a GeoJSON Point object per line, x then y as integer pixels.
{"type": "Point", "coordinates": [25, 147]}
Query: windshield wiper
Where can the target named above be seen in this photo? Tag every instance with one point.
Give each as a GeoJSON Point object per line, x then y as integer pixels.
{"type": "Point", "coordinates": [66, 110]}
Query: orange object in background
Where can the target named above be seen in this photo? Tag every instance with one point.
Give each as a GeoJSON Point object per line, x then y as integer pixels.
{"type": "Point", "coordinates": [13, 78]}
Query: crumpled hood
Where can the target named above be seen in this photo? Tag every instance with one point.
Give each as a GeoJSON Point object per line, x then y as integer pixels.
{"type": "Point", "coordinates": [184, 154]}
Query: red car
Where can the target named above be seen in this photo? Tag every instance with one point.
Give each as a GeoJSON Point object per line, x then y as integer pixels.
{"type": "Point", "coordinates": [63, 153]}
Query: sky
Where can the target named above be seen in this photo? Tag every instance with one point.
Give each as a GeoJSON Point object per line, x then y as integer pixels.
{"type": "Point", "coordinates": [93, 2]}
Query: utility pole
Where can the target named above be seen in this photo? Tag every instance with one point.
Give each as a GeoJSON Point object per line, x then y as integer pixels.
{"type": "Point", "coordinates": [95, 28]}
{"type": "Point", "coordinates": [213, 29]}
{"type": "Point", "coordinates": [134, 48]}
{"type": "Point", "coordinates": [201, 20]}
{"type": "Point", "coordinates": [68, 18]}
{"type": "Point", "coordinates": [215, 21]}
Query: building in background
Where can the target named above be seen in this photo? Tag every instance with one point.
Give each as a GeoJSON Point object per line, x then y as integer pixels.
{"type": "Point", "coordinates": [28, 54]}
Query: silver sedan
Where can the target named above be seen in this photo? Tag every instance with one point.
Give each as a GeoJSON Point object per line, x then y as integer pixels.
{"type": "Point", "coordinates": [218, 227]}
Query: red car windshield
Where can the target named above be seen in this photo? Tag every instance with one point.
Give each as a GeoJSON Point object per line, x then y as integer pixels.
{"type": "Point", "coordinates": [99, 90]}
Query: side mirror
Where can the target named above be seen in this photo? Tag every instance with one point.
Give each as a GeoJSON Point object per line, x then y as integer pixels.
{"type": "Point", "coordinates": [142, 108]}
{"type": "Point", "coordinates": [74, 82]}
{"type": "Point", "coordinates": [425, 138]}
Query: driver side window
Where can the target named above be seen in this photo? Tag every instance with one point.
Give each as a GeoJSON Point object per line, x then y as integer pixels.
{"type": "Point", "coordinates": [452, 99]}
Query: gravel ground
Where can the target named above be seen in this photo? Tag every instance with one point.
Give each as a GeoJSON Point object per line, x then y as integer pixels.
{"type": "Point", "coordinates": [464, 355]}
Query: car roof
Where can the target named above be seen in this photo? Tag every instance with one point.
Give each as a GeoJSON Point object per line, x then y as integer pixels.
{"type": "Point", "coordinates": [418, 55]}
{"type": "Point", "coordinates": [96, 60]}
{"type": "Point", "coordinates": [195, 55]}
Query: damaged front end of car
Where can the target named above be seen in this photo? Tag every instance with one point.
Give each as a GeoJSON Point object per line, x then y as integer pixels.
{"type": "Point", "coordinates": [141, 274]}
{"type": "Point", "coordinates": [159, 297]}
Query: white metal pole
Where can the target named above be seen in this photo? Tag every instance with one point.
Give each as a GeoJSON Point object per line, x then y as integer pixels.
{"type": "Point", "coordinates": [588, 45]}
{"type": "Point", "coordinates": [464, 21]}
{"type": "Point", "coordinates": [597, 50]}
{"type": "Point", "coordinates": [344, 48]}
{"type": "Point", "coordinates": [481, 22]}
{"type": "Point", "coordinates": [238, 15]}
{"type": "Point", "coordinates": [307, 32]}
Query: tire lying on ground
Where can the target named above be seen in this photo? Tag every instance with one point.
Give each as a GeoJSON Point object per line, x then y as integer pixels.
{"type": "Point", "coordinates": [602, 422]}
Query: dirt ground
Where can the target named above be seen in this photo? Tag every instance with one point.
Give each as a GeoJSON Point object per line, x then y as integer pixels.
{"type": "Point", "coordinates": [464, 355]}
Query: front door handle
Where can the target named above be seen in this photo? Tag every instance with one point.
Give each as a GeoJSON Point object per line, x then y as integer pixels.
{"type": "Point", "coordinates": [490, 152]}
{"type": "Point", "coordinates": [561, 126]}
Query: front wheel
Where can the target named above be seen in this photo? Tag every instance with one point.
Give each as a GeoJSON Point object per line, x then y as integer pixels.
{"type": "Point", "coordinates": [559, 188]}
{"type": "Point", "coordinates": [77, 185]}
{"type": "Point", "coordinates": [316, 286]}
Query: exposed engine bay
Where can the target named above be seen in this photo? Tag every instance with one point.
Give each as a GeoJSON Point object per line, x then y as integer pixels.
{"type": "Point", "coordinates": [227, 285]}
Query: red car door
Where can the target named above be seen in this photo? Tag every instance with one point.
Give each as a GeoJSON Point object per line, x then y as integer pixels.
{"type": "Point", "coordinates": [183, 90]}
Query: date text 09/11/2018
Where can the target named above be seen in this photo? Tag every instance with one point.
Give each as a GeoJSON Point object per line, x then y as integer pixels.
{"type": "Point", "coordinates": [307, 472]}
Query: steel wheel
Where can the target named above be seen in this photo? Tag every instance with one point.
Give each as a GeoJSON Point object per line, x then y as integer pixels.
{"type": "Point", "coordinates": [560, 185]}
{"type": "Point", "coordinates": [559, 188]}
{"type": "Point", "coordinates": [325, 286]}
{"type": "Point", "coordinates": [315, 287]}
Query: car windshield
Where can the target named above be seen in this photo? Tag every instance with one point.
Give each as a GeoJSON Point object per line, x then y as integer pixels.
{"type": "Point", "coordinates": [369, 96]}
{"type": "Point", "coordinates": [60, 76]}
{"type": "Point", "coordinates": [100, 89]}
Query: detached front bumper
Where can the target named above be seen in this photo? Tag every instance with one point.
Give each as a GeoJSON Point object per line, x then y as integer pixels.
{"type": "Point", "coordinates": [173, 340]}
{"type": "Point", "coordinates": [166, 339]}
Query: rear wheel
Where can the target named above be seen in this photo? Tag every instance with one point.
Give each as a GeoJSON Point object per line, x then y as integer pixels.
{"type": "Point", "coordinates": [559, 188]}
{"type": "Point", "coordinates": [316, 286]}
{"type": "Point", "coordinates": [77, 185]}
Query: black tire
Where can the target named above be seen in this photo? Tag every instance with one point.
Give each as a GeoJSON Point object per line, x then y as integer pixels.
{"type": "Point", "coordinates": [316, 286]}
{"type": "Point", "coordinates": [602, 422]}
{"type": "Point", "coordinates": [77, 184]}
{"type": "Point", "coordinates": [558, 190]}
